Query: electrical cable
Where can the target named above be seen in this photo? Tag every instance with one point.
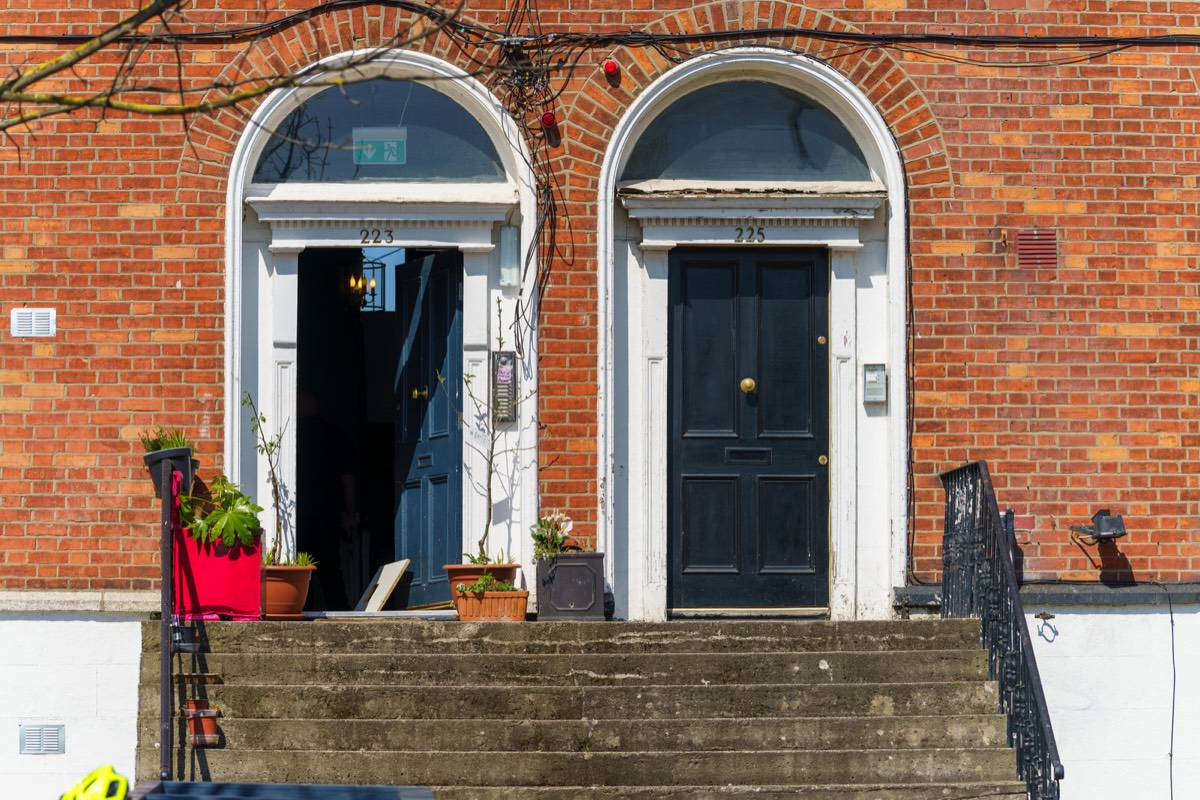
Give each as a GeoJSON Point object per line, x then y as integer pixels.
{"type": "Point", "coordinates": [1174, 686]}
{"type": "Point", "coordinates": [461, 29]}
{"type": "Point", "coordinates": [247, 33]}
{"type": "Point", "coordinates": [910, 389]}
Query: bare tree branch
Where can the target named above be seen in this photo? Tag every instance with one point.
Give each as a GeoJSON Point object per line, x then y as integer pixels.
{"type": "Point", "coordinates": [121, 90]}
{"type": "Point", "coordinates": [69, 59]}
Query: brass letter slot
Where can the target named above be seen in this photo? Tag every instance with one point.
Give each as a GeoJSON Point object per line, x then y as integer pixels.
{"type": "Point", "coordinates": [748, 455]}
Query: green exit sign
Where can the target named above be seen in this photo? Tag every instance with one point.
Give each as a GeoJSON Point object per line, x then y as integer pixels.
{"type": "Point", "coordinates": [380, 145]}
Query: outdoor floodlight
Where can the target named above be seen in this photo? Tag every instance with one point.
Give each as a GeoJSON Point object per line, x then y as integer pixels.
{"type": "Point", "coordinates": [1105, 527]}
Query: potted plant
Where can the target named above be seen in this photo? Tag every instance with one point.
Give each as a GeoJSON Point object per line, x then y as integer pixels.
{"type": "Point", "coordinates": [201, 723]}
{"type": "Point", "coordinates": [217, 553]}
{"type": "Point", "coordinates": [285, 580]}
{"type": "Point", "coordinates": [570, 580]}
{"type": "Point", "coordinates": [489, 599]}
{"type": "Point", "coordinates": [162, 444]}
{"type": "Point", "coordinates": [479, 564]}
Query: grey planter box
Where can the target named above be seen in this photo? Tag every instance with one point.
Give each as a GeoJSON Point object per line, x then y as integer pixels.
{"type": "Point", "coordinates": [183, 461]}
{"type": "Point", "coordinates": [571, 586]}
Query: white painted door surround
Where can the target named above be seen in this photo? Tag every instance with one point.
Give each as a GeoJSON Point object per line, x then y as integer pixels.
{"type": "Point", "coordinates": [269, 225]}
{"type": "Point", "coordinates": [862, 226]}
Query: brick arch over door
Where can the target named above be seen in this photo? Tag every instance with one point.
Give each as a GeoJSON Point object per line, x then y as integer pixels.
{"type": "Point", "coordinates": [597, 108]}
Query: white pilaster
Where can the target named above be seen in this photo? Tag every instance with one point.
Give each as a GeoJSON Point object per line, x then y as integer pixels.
{"type": "Point", "coordinates": [843, 414]}
{"type": "Point", "coordinates": [280, 406]}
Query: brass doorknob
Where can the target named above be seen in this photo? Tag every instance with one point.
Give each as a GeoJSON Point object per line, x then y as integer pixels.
{"type": "Point", "coordinates": [748, 385]}
{"type": "Point", "coordinates": [420, 394]}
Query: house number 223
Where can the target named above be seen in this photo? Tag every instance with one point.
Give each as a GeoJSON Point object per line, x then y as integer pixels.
{"type": "Point", "coordinates": [375, 236]}
{"type": "Point", "coordinates": [749, 235]}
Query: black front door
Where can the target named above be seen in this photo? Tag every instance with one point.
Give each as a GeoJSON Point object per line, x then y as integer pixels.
{"type": "Point", "coordinates": [749, 429]}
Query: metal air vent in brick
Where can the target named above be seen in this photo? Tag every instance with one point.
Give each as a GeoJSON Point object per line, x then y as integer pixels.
{"type": "Point", "coordinates": [34, 322]}
{"type": "Point", "coordinates": [1037, 249]}
{"type": "Point", "coordinates": [43, 740]}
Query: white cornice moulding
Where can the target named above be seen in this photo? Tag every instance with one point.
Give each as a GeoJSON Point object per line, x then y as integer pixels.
{"type": "Point", "coordinates": [297, 203]}
{"type": "Point", "coordinates": [676, 212]}
{"type": "Point", "coordinates": [384, 215]}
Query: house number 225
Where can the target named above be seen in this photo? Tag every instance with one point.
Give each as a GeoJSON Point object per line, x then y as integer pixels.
{"type": "Point", "coordinates": [749, 235]}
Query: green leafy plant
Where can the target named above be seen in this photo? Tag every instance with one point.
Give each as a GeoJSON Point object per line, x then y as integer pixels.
{"type": "Point", "coordinates": [269, 448]}
{"type": "Point", "coordinates": [301, 559]}
{"type": "Point", "coordinates": [225, 514]}
{"type": "Point", "coordinates": [486, 583]}
{"type": "Point", "coordinates": [483, 558]}
{"type": "Point", "coordinates": [162, 439]}
{"type": "Point", "coordinates": [550, 535]}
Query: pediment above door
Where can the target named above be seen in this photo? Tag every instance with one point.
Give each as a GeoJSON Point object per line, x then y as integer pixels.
{"type": "Point", "coordinates": [427, 215]}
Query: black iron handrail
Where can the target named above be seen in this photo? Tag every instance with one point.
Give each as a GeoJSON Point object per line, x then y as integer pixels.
{"type": "Point", "coordinates": [170, 495]}
{"type": "Point", "coordinates": [979, 580]}
{"type": "Point", "coordinates": [172, 472]}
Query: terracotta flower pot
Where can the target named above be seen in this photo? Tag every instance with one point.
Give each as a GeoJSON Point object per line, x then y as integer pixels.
{"type": "Point", "coordinates": [284, 590]}
{"type": "Point", "coordinates": [202, 723]}
{"type": "Point", "coordinates": [491, 606]}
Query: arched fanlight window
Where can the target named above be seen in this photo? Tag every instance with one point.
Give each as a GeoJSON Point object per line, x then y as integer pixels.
{"type": "Point", "coordinates": [379, 130]}
{"type": "Point", "coordinates": [746, 131]}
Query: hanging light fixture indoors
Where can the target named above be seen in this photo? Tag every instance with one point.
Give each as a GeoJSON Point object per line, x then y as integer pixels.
{"type": "Point", "coordinates": [365, 286]}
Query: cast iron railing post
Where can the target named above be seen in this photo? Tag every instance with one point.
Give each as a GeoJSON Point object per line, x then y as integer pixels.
{"type": "Point", "coordinates": [169, 497]}
{"type": "Point", "coordinates": [980, 580]}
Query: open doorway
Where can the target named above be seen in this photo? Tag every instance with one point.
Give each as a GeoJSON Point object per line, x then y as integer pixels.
{"type": "Point", "coordinates": [379, 448]}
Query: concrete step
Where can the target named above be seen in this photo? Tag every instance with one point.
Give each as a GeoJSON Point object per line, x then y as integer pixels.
{"type": "Point", "coordinates": [596, 702]}
{"type": "Point", "coordinates": [771, 768]}
{"type": "Point", "coordinates": [588, 669]}
{"type": "Point", "coordinates": [437, 636]}
{"type": "Point", "coordinates": [1010, 790]}
{"type": "Point", "coordinates": [597, 736]}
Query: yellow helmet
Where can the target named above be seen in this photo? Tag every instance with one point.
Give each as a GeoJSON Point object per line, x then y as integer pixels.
{"type": "Point", "coordinates": [104, 783]}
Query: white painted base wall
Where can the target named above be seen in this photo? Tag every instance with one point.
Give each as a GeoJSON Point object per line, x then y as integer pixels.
{"type": "Point", "coordinates": [1108, 675]}
{"type": "Point", "coordinates": [77, 670]}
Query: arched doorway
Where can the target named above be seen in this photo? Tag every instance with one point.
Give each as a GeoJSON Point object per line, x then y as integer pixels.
{"type": "Point", "coordinates": [364, 280]}
{"type": "Point", "coordinates": [765, 246]}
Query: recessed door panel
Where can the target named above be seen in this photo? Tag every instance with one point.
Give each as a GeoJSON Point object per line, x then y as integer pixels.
{"type": "Point", "coordinates": [710, 516]}
{"type": "Point", "coordinates": [787, 525]}
{"type": "Point", "coordinates": [708, 319]}
{"type": "Point", "coordinates": [786, 355]}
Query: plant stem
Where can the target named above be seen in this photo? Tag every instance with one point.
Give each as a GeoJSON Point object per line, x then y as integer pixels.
{"type": "Point", "coordinates": [270, 449]}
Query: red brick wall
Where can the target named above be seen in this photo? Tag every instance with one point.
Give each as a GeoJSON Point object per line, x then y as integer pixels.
{"type": "Point", "coordinates": [1078, 384]}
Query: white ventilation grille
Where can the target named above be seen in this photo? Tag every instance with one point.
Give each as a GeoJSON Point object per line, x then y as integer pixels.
{"type": "Point", "coordinates": [34, 322]}
{"type": "Point", "coordinates": [43, 740]}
